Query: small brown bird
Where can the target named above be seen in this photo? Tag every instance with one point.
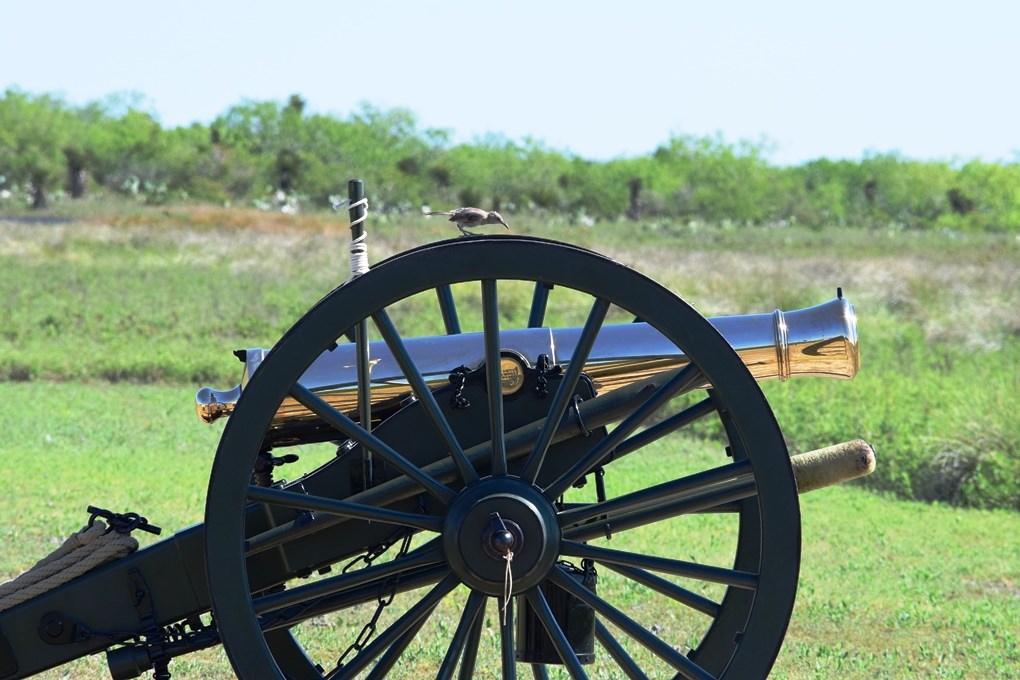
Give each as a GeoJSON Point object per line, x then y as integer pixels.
{"type": "Point", "coordinates": [471, 217]}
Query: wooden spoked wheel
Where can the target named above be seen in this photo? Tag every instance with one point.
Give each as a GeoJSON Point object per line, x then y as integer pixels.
{"type": "Point", "coordinates": [678, 556]}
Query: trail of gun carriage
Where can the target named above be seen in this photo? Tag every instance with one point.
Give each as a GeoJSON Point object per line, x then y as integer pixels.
{"type": "Point", "coordinates": [431, 453]}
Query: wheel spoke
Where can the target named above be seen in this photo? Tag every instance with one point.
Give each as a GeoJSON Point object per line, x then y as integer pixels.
{"type": "Point", "coordinates": [288, 653]}
{"type": "Point", "coordinates": [701, 572]}
{"type": "Point", "coordinates": [565, 391]}
{"type": "Point", "coordinates": [291, 499]}
{"type": "Point", "coordinates": [539, 300]}
{"type": "Point", "coordinates": [519, 443]}
{"type": "Point", "coordinates": [448, 309]}
{"type": "Point", "coordinates": [467, 665]}
{"type": "Point", "coordinates": [668, 588]}
{"type": "Point", "coordinates": [538, 602]}
{"type": "Point", "coordinates": [713, 502]}
{"type": "Point", "coordinates": [635, 630]}
{"type": "Point", "coordinates": [472, 610]}
{"type": "Point", "coordinates": [667, 426]}
{"type": "Point", "coordinates": [348, 427]}
{"type": "Point", "coordinates": [597, 412]}
{"type": "Point", "coordinates": [506, 638]}
{"type": "Point", "coordinates": [395, 651]}
{"type": "Point", "coordinates": [288, 617]}
{"type": "Point", "coordinates": [490, 326]}
{"type": "Point", "coordinates": [720, 484]}
{"type": "Point", "coordinates": [425, 396]}
{"type": "Point", "coordinates": [683, 380]}
{"type": "Point", "coordinates": [538, 670]}
{"type": "Point", "coordinates": [423, 556]}
{"type": "Point", "coordinates": [408, 620]}
{"type": "Point", "coordinates": [619, 654]}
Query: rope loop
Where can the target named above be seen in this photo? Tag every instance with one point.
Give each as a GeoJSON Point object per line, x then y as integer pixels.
{"type": "Point", "coordinates": [359, 256]}
{"type": "Point", "coordinates": [359, 246]}
{"type": "Point", "coordinates": [83, 551]}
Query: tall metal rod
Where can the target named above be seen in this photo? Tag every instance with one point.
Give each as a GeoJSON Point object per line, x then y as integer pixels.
{"type": "Point", "coordinates": [493, 385]}
{"type": "Point", "coordinates": [357, 211]}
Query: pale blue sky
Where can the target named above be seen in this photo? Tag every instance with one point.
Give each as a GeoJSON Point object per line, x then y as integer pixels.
{"type": "Point", "coordinates": [930, 80]}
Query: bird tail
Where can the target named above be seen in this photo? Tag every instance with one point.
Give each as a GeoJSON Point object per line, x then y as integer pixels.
{"type": "Point", "coordinates": [439, 212]}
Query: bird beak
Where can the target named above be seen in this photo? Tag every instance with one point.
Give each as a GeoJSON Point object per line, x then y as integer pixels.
{"type": "Point", "coordinates": [505, 225]}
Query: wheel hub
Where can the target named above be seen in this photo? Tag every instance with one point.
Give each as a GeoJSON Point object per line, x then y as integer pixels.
{"type": "Point", "coordinates": [497, 520]}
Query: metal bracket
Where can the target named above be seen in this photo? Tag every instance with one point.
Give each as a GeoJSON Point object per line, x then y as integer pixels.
{"type": "Point", "coordinates": [141, 597]}
{"type": "Point", "coordinates": [155, 637]}
{"type": "Point", "coordinates": [56, 628]}
{"type": "Point", "coordinates": [123, 523]}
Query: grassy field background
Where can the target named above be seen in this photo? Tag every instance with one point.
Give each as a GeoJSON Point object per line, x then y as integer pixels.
{"type": "Point", "coordinates": [112, 320]}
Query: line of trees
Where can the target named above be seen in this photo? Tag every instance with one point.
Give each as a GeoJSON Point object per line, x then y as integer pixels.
{"type": "Point", "coordinates": [259, 150]}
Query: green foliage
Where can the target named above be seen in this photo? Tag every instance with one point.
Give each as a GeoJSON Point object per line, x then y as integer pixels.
{"type": "Point", "coordinates": [278, 154]}
{"type": "Point", "coordinates": [33, 133]}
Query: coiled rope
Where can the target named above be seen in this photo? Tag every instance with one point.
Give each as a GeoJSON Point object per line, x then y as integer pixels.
{"type": "Point", "coordinates": [358, 247]}
{"type": "Point", "coordinates": [82, 551]}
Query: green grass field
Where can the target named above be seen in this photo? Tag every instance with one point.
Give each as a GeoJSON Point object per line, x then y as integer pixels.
{"type": "Point", "coordinates": [111, 323]}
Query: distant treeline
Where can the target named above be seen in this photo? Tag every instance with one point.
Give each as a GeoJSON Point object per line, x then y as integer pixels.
{"type": "Point", "coordinates": [265, 152]}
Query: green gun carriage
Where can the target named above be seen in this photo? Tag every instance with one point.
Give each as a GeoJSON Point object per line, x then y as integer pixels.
{"type": "Point", "coordinates": [455, 417]}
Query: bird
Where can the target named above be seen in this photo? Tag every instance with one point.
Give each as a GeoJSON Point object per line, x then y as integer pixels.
{"type": "Point", "coordinates": [471, 217]}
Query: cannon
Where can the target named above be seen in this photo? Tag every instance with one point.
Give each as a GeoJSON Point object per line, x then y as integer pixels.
{"type": "Point", "coordinates": [529, 453]}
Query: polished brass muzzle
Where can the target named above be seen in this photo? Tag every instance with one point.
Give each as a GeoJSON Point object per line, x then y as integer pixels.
{"type": "Point", "coordinates": [816, 341]}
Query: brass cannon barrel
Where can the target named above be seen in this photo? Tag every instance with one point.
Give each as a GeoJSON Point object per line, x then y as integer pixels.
{"type": "Point", "coordinates": [817, 341]}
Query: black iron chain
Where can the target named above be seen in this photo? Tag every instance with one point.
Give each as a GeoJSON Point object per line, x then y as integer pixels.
{"type": "Point", "coordinates": [389, 588]}
{"type": "Point", "coordinates": [459, 377]}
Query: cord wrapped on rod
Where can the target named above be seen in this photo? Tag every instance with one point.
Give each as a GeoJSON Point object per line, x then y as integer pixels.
{"type": "Point", "coordinates": [359, 246]}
